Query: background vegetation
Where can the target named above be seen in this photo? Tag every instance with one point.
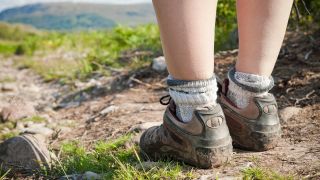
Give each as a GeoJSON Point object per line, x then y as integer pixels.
{"type": "Point", "coordinates": [123, 47]}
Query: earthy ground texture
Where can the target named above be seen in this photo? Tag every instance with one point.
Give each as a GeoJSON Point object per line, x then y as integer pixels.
{"type": "Point", "coordinates": [105, 108]}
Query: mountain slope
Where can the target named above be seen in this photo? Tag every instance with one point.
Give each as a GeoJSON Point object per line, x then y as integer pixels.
{"type": "Point", "coordinates": [67, 16]}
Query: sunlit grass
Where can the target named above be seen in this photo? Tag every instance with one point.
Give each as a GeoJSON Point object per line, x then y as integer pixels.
{"type": "Point", "coordinates": [35, 119]}
{"type": "Point", "coordinates": [259, 173]}
{"type": "Point", "coordinates": [114, 160]}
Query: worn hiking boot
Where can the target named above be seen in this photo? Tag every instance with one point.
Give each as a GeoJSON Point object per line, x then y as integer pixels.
{"type": "Point", "coordinates": [203, 142]}
{"type": "Point", "coordinates": [256, 127]}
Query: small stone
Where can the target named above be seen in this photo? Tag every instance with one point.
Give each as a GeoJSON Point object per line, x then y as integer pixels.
{"type": "Point", "coordinates": [108, 110]}
{"type": "Point", "coordinates": [288, 112]}
{"type": "Point", "coordinates": [9, 87]}
{"type": "Point", "coordinates": [17, 109]}
{"type": "Point", "coordinates": [159, 64]}
{"type": "Point", "coordinates": [71, 177]}
{"type": "Point", "coordinates": [91, 176]}
{"type": "Point", "coordinates": [144, 126]}
{"type": "Point", "coordinates": [24, 153]}
{"type": "Point", "coordinates": [38, 129]}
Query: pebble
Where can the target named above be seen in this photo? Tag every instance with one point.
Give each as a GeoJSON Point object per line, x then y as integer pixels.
{"type": "Point", "coordinates": [91, 176]}
{"type": "Point", "coordinates": [159, 64]}
{"type": "Point", "coordinates": [109, 109]}
{"type": "Point", "coordinates": [88, 175]}
{"type": "Point", "coordinates": [35, 129]}
{"type": "Point", "coordinates": [144, 126]}
{"type": "Point", "coordinates": [12, 87]}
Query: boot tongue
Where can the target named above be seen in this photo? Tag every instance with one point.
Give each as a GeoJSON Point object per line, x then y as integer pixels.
{"type": "Point", "coordinates": [172, 107]}
{"type": "Point", "coordinates": [223, 86]}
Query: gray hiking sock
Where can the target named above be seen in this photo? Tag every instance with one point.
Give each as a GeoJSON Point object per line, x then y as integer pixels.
{"type": "Point", "coordinates": [189, 95]}
{"type": "Point", "coordinates": [244, 86]}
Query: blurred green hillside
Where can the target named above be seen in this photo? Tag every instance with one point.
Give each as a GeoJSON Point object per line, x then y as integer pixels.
{"type": "Point", "coordinates": [77, 16]}
{"type": "Point", "coordinates": [65, 56]}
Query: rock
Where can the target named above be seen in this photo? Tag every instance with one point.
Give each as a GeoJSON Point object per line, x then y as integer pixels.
{"type": "Point", "coordinates": [71, 177]}
{"type": "Point", "coordinates": [144, 126]}
{"type": "Point", "coordinates": [86, 176]}
{"type": "Point", "coordinates": [17, 109]}
{"type": "Point", "coordinates": [38, 129]}
{"type": "Point", "coordinates": [288, 112]}
{"type": "Point", "coordinates": [24, 153]}
{"type": "Point", "coordinates": [159, 64]}
{"type": "Point", "coordinates": [91, 176]}
{"type": "Point", "coordinates": [108, 110]}
{"type": "Point", "coordinates": [9, 87]}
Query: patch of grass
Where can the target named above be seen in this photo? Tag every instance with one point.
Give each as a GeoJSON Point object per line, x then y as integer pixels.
{"type": "Point", "coordinates": [8, 125]}
{"type": "Point", "coordinates": [36, 119]}
{"type": "Point", "coordinates": [55, 69]}
{"type": "Point", "coordinates": [8, 135]}
{"type": "Point", "coordinates": [3, 174]}
{"type": "Point", "coordinates": [7, 48]}
{"type": "Point", "coordinates": [7, 130]}
{"type": "Point", "coordinates": [7, 79]}
{"type": "Point", "coordinates": [114, 160]}
{"type": "Point", "coordinates": [16, 32]}
{"type": "Point", "coordinates": [121, 47]}
{"type": "Point", "coordinates": [258, 173]}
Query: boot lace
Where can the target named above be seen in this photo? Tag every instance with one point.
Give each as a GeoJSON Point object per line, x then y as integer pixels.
{"type": "Point", "coordinates": [165, 100]}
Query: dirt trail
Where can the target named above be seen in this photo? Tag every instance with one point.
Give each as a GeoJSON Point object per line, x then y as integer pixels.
{"type": "Point", "coordinates": [106, 108]}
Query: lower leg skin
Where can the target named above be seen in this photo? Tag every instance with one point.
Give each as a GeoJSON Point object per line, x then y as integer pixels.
{"type": "Point", "coordinates": [262, 25]}
{"type": "Point", "coordinates": [187, 35]}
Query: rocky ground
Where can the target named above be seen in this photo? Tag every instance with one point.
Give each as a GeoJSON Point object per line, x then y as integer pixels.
{"type": "Point", "coordinates": [104, 108]}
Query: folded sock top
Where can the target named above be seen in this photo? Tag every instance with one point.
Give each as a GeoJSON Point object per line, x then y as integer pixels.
{"type": "Point", "coordinates": [251, 82]}
{"type": "Point", "coordinates": [188, 95]}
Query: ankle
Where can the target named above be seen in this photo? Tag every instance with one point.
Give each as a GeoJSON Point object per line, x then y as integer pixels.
{"type": "Point", "coordinates": [245, 86]}
{"type": "Point", "coordinates": [189, 95]}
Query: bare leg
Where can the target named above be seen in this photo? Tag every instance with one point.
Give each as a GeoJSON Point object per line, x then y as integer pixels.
{"type": "Point", "coordinates": [187, 34]}
{"type": "Point", "coordinates": [262, 25]}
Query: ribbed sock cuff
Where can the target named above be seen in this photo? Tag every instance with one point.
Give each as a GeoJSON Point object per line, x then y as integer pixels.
{"type": "Point", "coordinates": [196, 92]}
{"type": "Point", "coordinates": [251, 82]}
{"type": "Point", "coordinates": [188, 95]}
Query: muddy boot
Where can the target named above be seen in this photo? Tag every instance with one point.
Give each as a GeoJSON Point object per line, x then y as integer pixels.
{"type": "Point", "coordinates": [203, 142]}
{"type": "Point", "coordinates": [256, 127]}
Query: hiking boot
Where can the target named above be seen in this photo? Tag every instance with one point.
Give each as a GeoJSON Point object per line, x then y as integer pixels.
{"type": "Point", "coordinates": [256, 127]}
{"type": "Point", "coordinates": [203, 142]}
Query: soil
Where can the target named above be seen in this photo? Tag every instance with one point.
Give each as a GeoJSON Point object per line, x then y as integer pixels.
{"type": "Point", "coordinates": [75, 110]}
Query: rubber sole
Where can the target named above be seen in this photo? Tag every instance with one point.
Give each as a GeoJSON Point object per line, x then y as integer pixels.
{"type": "Point", "coordinates": [256, 140]}
{"type": "Point", "coordinates": [205, 158]}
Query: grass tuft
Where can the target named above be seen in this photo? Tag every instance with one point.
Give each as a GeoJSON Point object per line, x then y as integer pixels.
{"type": "Point", "coordinates": [114, 160]}
{"type": "Point", "coordinates": [35, 119]}
{"type": "Point", "coordinates": [258, 173]}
